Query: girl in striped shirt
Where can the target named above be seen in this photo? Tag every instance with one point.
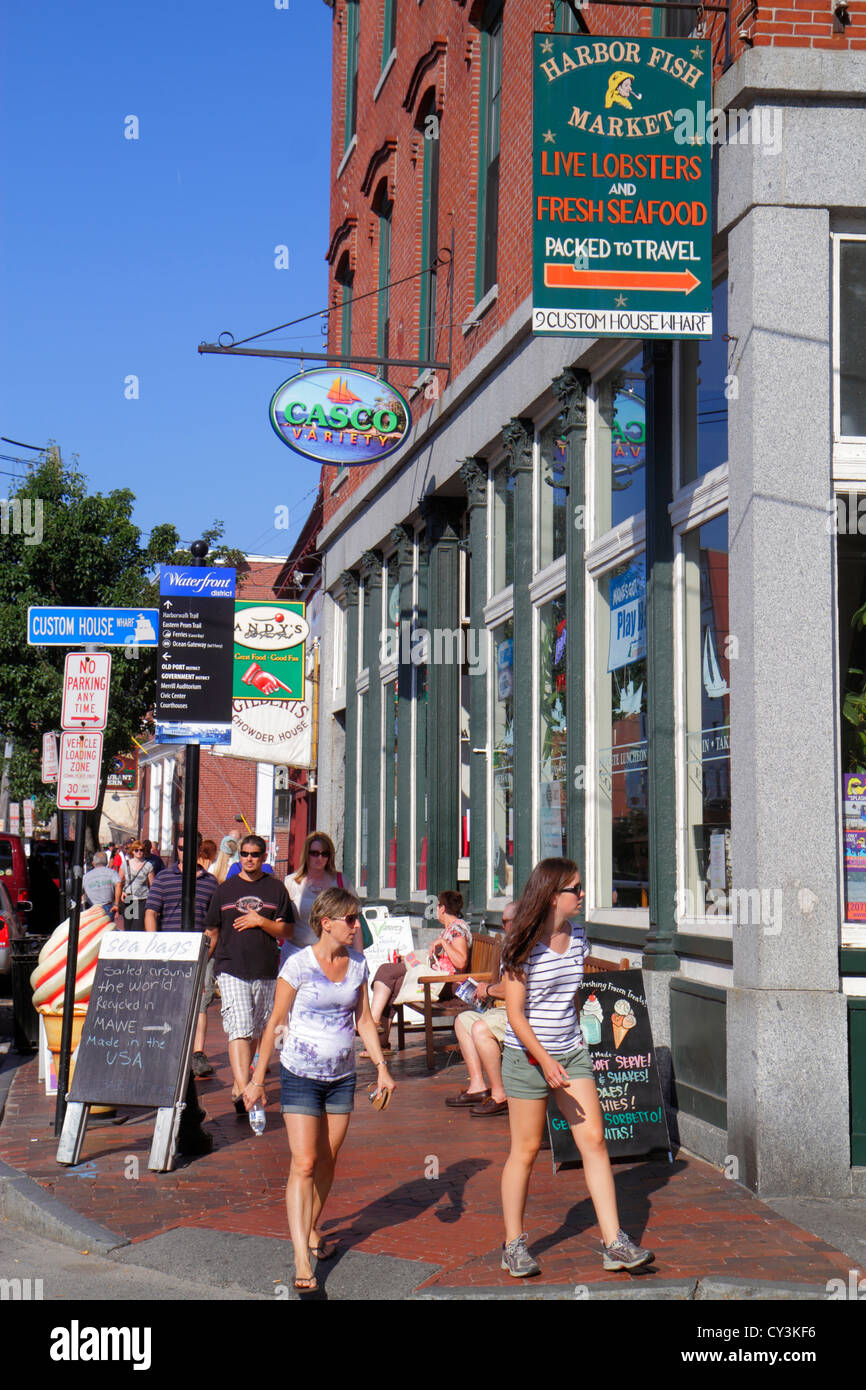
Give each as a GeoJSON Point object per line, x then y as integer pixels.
{"type": "Point", "coordinates": [542, 962]}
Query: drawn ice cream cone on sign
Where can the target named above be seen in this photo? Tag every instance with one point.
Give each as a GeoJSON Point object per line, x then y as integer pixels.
{"type": "Point", "coordinates": [48, 980]}
{"type": "Point", "coordinates": [622, 1019]}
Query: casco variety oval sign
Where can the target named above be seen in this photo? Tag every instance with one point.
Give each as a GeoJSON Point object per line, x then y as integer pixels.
{"type": "Point", "coordinates": [336, 415]}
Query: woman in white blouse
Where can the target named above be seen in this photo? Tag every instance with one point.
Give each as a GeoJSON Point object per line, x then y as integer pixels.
{"type": "Point", "coordinates": [317, 872]}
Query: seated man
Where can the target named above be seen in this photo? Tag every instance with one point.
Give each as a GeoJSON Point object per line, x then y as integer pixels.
{"type": "Point", "coordinates": [481, 1037]}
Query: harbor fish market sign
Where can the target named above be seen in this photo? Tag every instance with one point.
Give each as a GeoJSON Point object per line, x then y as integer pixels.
{"type": "Point", "coordinates": [347, 418]}
{"type": "Point", "coordinates": [622, 207]}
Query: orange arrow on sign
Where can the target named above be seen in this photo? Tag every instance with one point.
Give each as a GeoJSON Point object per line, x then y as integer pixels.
{"type": "Point", "coordinates": [567, 277]}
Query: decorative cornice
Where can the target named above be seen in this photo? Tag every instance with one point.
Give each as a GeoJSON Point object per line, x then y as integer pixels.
{"type": "Point", "coordinates": [473, 476]}
{"type": "Point", "coordinates": [379, 157]}
{"type": "Point", "coordinates": [404, 539]}
{"type": "Point", "coordinates": [427, 60]}
{"type": "Point", "coordinates": [517, 436]}
{"type": "Point", "coordinates": [346, 227]}
{"type": "Point", "coordinates": [371, 569]}
{"type": "Point", "coordinates": [349, 581]}
{"type": "Point", "coordinates": [570, 389]}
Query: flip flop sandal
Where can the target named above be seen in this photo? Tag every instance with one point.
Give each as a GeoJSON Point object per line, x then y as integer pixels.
{"type": "Point", "coordinates": [325, 1250]}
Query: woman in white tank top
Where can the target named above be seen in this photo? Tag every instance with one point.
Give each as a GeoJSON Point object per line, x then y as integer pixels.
{"type": "Point", "coordinates": [542, 965]}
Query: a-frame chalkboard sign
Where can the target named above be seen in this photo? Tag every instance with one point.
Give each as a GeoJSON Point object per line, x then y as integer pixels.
{"type": "Point", "coordinates": [616, 1030]}
{"type": "Point", "coordinates": [136, 1043]}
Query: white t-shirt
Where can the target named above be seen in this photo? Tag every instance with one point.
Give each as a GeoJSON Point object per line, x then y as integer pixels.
{"type": "Point", "coordinates": [321, 1037]}
{"type": "Point", "coordinates": [551, 984]}
{"type": "Point", "coordinates": [303, 895]}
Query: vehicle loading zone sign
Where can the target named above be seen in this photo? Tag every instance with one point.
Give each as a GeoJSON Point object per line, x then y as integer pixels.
{"type": "Point", "coordinates": [80, 766]}
{"type": "Point", "coordinates": [621, 190]}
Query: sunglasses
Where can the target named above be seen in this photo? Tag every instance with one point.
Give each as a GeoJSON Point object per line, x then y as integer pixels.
{"type": "Point", "coordinates": [576, 890]}
{"type": "Point", "coordinates": [251, 854]}
{"type": "Point", "coordinates": [350, 919]}
{"type": "Point", "coordinates": [318, 854]}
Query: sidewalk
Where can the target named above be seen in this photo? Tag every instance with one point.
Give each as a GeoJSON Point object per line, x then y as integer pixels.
{"type": "Point", "coordinates": [420, 1183]}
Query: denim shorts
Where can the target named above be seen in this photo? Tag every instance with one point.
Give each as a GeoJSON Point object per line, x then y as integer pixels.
{"type": "Point", "coordinates": [304, 1095]}
{"type": "Point", "coordinates": [523, 1081]}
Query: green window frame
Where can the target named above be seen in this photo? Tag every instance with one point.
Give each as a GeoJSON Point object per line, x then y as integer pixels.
{"type": "Point", "coordinates": [431, 131]}
{"type": "Point", "coordinates": [353, 24]}
{"type": "Point", "coordinates": [389, 30]}
{"type": "Point", "coordinates": [384, 208]}
{"type": "Point", "coordinates": [488, 149]}
{"type": "Point", "coordinates": [345, 279]}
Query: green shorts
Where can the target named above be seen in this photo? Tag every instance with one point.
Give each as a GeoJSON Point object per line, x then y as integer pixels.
{"type": "Point", "coordinates": [524, 1081]}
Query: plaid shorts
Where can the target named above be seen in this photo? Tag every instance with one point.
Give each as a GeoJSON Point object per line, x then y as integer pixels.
{"type": "Point", "coordinates": [246, 1006]}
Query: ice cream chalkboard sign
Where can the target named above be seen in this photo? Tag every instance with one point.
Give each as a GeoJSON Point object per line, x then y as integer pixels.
{"type": "Point", "coordinates": [616, 1030]}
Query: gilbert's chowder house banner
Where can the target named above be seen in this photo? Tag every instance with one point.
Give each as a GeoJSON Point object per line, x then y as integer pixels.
{"type": "Point", "coordinates": [621, 188]}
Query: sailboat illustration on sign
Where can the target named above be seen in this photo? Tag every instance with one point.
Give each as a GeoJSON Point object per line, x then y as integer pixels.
{"type": "Point", "coordinates": [340, 392]}
{"type": "Point", "coordinates": [714, 683]}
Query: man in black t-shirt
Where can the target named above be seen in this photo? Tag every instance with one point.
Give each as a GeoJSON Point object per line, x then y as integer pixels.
{"type": "Point", "coordinates": [249, 915]}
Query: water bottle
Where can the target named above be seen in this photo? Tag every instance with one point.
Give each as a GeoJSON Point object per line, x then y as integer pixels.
{"type": "Point", "coordinates": [257, 1119]}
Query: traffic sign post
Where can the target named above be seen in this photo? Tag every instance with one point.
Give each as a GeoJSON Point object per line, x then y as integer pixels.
{"type": "Point", "coordinates": [83, 627]}
{"type": "Point", "coordinates": [86, 677]}
{"type": "Point", "coordinates": [80, 766]}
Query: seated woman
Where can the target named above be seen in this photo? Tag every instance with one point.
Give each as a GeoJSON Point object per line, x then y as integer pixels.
{"type": "Point", "coordinates": [448, 955]}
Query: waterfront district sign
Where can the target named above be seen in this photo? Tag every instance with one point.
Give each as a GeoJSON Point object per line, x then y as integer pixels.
{"type": "Point", "coordinates": [621, 187]}
{"type": "Point", "coordinates": [351, 419]}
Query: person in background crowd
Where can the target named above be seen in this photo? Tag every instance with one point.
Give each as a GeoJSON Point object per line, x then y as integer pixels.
{"type": "Point", "coordinates": [542, 964]}
{"type": "Point", "coordinates": [154, 856]}
{"type": "Point", "coordinates": [99, 884]}
{"type": "Point", "coordinates": [228, 855]}
{"type": "Point", "coordinates": [207, 855]}
{"type": "Point", "coordinates": [164, 913]}
{"type": "Point", "coordinates": [448, 955]}
{"type": "Point", "coordinates": [130, 894]}
{"type": "Point", "coordinates": [248, 916]}
{"type": "Point", "coordinates": [318, 871]}
{"type": "Point", "coordinates": [322, 992]}
{"type": "Point", "coordinates": [480, 1037]}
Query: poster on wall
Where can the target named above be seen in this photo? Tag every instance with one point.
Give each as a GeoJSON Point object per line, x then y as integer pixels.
{"type": "Point", "coordinates": [854, 798]}
{"type": "Point", "coordinates": [627, 618]}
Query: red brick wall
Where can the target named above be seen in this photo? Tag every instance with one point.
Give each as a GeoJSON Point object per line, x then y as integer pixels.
{"type": "Point", "coordinates": [456, 76]}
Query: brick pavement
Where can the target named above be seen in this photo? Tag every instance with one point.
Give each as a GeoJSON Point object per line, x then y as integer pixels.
{"type": "Point", "coordinates": [699, 1224]}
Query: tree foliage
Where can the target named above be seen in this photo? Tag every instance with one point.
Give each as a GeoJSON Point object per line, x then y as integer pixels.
{"type": "Point", "coordinates": [90, 553]}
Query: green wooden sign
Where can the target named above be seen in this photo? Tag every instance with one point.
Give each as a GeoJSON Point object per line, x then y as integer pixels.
{"type": "Point", "coordinates": [621, 187]}
{"type": "Point", "coordinates": [269, 651]}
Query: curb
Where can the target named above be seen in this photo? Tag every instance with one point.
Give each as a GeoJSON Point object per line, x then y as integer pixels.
{"type": "Point", "coordinates": [22, 1200]}
{"type": "Point", "coordinates": [665, 1290]}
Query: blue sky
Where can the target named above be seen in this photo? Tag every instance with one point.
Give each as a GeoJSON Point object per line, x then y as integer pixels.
{"type": "Point", "coordinates": [120, 255]}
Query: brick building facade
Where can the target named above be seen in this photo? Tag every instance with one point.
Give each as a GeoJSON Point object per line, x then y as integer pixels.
{"type": "Point", "coordinates": [710, 789]}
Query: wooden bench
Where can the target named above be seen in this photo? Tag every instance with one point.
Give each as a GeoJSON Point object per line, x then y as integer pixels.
{"type": "Point", "coordinates": [484, 962]}
{"type": "Point", "coordinates": [483, 967]}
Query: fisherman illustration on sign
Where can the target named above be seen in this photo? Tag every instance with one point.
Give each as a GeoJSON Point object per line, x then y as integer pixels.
{"type": "Point", "coordinates": [619, 89]}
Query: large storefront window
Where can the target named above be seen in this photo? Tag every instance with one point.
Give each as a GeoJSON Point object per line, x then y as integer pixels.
{"type": "Point", "coordinates": [708, 718]}
{"type": "Point", "coordinates": [503, 529]}
{"type": "Point", "coordinates": [420, 704]}
{"type": "Point", "coordinates": [621, 716]}
{"type": "Point", "coordinates": [390, 709]}
{"type": "Point", "coordinates": [852, 338]}
{"type": "Point", "coordinates": [852, 672]}
{"type": "Point", "coordinates": [708, 380]}
{"type": "Point", "coordinates": [552, 498]}
{"type": "Point", "coordinates": [552, 760]}
{"type": "Point", "coordinates": [364, 808]}
{"type": "Point", "coordinates": [502, 827]}
{"type": "Point", "coordinates": [621, 477]}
